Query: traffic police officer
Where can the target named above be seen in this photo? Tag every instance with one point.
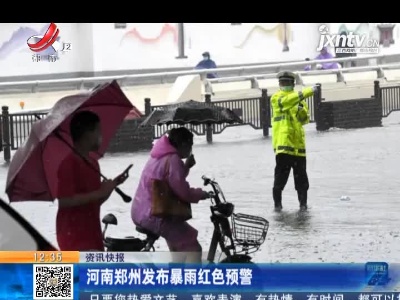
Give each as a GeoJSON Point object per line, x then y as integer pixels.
{"type": "Point", "coordinates": [290, 113]}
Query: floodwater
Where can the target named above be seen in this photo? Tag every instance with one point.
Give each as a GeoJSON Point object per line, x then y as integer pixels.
{"type": "Point", "coordinates": [360, 166]}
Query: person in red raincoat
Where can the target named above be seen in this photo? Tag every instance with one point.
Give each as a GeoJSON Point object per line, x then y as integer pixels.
{"type": "Point", "coordinates": [80, 190]}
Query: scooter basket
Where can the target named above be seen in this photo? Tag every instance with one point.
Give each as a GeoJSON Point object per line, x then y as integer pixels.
{"type": "Point", "coordinates": [249, 231]}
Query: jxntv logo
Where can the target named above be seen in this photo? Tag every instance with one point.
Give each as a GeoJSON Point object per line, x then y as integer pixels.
{"type": "Point", "coordinates": [48, 46]}
{"type": "Point", "coordinates": [350, 43]}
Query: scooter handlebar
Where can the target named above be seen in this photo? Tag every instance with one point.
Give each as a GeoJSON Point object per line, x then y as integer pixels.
{"type": "Point", "coordinates": [211, 195]}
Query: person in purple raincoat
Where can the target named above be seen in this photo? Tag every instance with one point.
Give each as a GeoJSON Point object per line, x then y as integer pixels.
{"type": "Point", "coordinates": [324, 54]}
{"type": "Point", "coordinates": [169, 151]}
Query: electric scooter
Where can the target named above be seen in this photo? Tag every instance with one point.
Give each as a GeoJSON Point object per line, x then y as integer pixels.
{"type": "Point", "coordinates": [238, 235]}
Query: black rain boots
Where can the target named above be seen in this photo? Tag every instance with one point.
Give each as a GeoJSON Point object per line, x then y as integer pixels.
{"type": "Point", "coordinates": [277, 195]}
{"type": "Point", "coordinates": [302, 196]}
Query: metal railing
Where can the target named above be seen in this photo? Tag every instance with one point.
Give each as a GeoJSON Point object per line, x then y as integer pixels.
{"type": "Point", "coordinates": [20, 126]}
{"type": "Point", "coordinates": [390, 97]}
{"type": "Point", "coordinates": [254, 111]}
{"type": "Point", "coordinates": [300, 74]}
{"type": "Point", "coordinates": [80, 82]}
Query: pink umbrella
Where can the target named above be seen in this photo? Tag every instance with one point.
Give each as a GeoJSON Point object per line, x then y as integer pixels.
{"type": "Point", "coordinates": [32, 174]}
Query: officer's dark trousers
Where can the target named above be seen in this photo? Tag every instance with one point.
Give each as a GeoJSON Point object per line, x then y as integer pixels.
{"type": "Point", "coordinates": [284, 163]}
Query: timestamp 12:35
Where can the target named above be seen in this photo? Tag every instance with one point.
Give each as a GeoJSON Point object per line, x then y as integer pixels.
{"type": "Point", "coordinates": [48, 257]}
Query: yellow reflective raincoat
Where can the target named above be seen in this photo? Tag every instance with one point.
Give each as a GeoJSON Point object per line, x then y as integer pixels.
{"type": "Point", "coordinates": [289, 114]}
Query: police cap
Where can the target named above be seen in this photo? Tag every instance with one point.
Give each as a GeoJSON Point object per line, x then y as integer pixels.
{"type": "Point", "coordinates": [285, 75]}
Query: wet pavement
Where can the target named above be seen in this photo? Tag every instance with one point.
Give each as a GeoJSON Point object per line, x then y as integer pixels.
{"type": "Point", "coordinates": [362, 165]}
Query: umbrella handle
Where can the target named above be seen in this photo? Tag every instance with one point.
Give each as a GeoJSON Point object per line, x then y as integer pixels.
{"type": "Point", "coordinates": [124, 196]}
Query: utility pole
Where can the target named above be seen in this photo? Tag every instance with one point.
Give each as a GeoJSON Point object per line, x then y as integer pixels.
{"type": "Point", "coordinates": [285, 41]}
{"type": "Point", "coordinates": [181, 42]}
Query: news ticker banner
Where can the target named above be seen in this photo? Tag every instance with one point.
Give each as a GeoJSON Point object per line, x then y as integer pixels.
{"type": "Point", "coordinates": [242, 296]}
{"type": "Point", "coordinates": [89, 257]}
{"type": "Point", "coordinates": [57, 275]}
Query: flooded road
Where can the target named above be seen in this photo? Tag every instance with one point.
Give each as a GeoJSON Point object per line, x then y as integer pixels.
{"type": "Point", "coordinates": [353, 199]}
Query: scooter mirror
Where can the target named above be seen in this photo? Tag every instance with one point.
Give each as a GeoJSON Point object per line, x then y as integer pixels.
{"type": "Point", "coordinates": [110, 219]}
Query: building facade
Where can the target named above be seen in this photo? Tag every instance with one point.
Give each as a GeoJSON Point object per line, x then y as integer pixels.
{"type": "Point", "coordinates": [98, 49]}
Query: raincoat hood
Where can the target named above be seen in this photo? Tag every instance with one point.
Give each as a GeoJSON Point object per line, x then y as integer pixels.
{"type": "Point", "coordinates": [162, 147]}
